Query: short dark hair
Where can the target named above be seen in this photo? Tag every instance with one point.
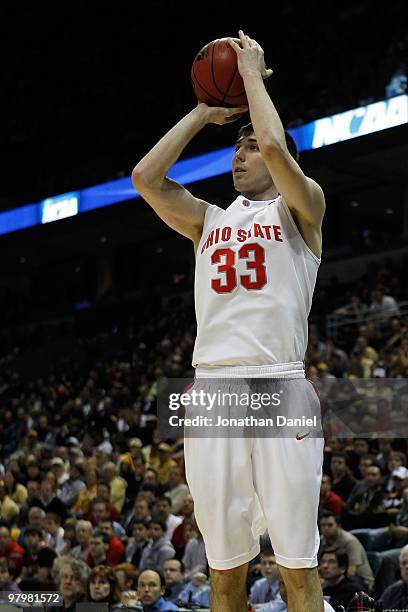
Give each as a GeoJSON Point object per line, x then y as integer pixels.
{"type": "Point", "coordinates": [158, 522]}
{"type": "Point", "coordinates": [247, 129]}
{"type": "Point", "coordinates": [182, 566]}
{"type": "Point", "coordinates": [32, 530]}
{"type": "Point", "coordinates": [327, 514]}
{"type": "Point", "coordinates": [141, 522]}
{"type": "Point", "coordinates": [164, 498]}
{"type": "Point", "coordinates": [341, 556]}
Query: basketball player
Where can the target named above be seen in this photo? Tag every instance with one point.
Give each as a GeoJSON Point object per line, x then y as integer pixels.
{"type": "Point", "coordinates": [253, 289]}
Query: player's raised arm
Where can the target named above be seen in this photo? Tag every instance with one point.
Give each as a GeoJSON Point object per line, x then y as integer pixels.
{"type": "Point", "coordinates": [174, 204]}
{"type": "Point", "coordinates": [302, 194]}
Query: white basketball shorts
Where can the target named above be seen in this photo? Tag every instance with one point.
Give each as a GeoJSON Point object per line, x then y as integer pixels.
{"type": "Point", "coordinates": [243, 484]}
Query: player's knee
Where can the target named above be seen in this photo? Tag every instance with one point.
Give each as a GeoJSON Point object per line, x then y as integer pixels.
{"type": "Point", "coordinates": [298, 579]}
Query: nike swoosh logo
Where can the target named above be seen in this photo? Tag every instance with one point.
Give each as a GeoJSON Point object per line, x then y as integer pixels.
{"type": "Point", "coordinates": [301, 437]}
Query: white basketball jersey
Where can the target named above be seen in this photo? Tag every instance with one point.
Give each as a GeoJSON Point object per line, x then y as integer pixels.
{"type": "Point", "coordinates": [254, 283]}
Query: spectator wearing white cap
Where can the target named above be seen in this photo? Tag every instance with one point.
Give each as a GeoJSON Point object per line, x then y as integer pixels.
{"type": "Point", "coordinates": [58, 468]}
{"type": "Point", "coordinates": [393, 500]}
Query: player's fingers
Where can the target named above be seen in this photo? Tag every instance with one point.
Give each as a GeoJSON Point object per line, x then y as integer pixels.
{"type": "Point", "coordinates": [243, 39]}
{"type": "Point", "coordinates": [233, 44]}
{"type": "Point", "coordinates": [233, 118]}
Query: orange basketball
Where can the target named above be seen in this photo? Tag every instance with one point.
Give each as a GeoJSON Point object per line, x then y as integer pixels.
{"type": "Point", "coordinates": [215, 76]}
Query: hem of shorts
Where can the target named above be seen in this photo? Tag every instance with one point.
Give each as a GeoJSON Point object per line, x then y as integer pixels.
{"type": "Point", "coordinates": [217, 564]}
{"type": "Point", "coordinates": [299, 563]}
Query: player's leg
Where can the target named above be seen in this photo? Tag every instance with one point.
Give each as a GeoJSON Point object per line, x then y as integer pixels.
{"type": "Point", "coordinates": [228, 589]}
{"type": "Point", "coordinates": [287, 478]}
{"type": "Point", "coordinates": [304, 591]}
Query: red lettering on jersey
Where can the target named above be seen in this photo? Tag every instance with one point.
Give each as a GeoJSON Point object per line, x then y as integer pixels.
{"type": "Point", "coordinates": [249, 233]}
{"type": "Point", "coordinates": [226, 233]}
{"type": "Point", "coordinates": [277, 233]}
{"type": "Point", "coordinates": [210, 239]}
{"type": "Point", "coordinates": [217, 235]}
{"type": "Point", "coordinates": [241, 235]}
{"type": "Point", "coordinates": [267, 231]}
{"type": "Point", "coordinates": [258, 231]}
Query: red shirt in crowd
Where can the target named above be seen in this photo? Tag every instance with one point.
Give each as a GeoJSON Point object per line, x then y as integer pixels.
{"type": "Point", "coordinates": [14, 555]}
{"type": "Point", "coordinates": [333, 503]}
{"type": "Point", "coordinates": [114, 554]}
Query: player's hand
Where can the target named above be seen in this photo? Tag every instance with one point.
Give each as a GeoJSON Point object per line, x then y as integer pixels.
{"type": "Point", "coordinates": [250, 56]}
{"type": "Point", "coordinates": [220, 115]}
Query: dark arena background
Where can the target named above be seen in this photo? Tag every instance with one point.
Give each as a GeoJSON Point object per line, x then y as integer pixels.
{"type": "Point", "coordinates": [96, 292]}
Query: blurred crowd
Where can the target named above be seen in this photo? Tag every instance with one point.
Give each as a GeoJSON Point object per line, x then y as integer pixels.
{"type": "Point", "coordinates": [95, 504]}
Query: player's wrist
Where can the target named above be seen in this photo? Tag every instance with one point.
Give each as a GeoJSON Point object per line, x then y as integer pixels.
{"type": "Point", "coordinates": [201, 114]}
{"type": "Point", "coordinates": [251, 74]}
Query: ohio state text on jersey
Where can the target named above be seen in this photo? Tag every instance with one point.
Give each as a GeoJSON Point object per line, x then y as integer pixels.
{"type": "Point", "coordinates": [254, 284]}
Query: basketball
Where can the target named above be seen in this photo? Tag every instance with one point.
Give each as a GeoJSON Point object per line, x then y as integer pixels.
{"type": "Point", "coordinates": [215, 77]}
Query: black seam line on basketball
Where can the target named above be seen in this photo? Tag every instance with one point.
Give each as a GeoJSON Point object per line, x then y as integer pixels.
{"type": "Point", "coordinates": [213, 75]}
{"type": "Point", "coordinates": [204, 89]}
{"type": "Point", "coordinates": [229, 84]}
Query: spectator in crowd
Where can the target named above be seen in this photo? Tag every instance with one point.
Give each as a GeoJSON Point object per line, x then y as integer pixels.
{"type": "Point", "coordinates": [383, 304]}
{"type": "Point", "coordinates": [364, 463]}
{"type": "Point", "coordinates": [7, 584]}
{"type": "Point", "coordinates": [165, 462]}
{"type": "Point", "coordinates": [197, 591]}
{"type": "Point", "coordinates": [8, 508]}
{"type": "Point", "coordinates": [98, 548]}
{"type": "Point", "coordinates": [15, 490]}
{"type": "Point", "coordinates": [37, 559]}
{"type": "Point", "coordinates": [10, 551]}
{"type": "Point", "coordinates": [395, 596]}
{"type": "Point", "coordinates": [366, 355]}
{"type": "Point", "coordinates": [151, 588]}
{"type": "Point", "coordinates": [33, 494]}
{"type": "Point", "coordinates": [58, 469]}
{"type": "Point", "coordinates": [83, 531]}
{"type": "Point", "coordinates": [334, 538]}
{"type": "Point", "coordinates": [173, 570]}
{"type": "Point", "coordinates": [69, 535]}
{"type": "Point", "coordinates": [364, 500]}
{"type": "Point", "coordinates": [117, 485]}
{"type": "Point", "coordinates": [266, 588]}
{"type": "Point", "coordinates": [335, 582]}
{"type": "Point", "coordinates": [394, 499]}
{"type": "Point", "coordinates": [138, 542]}
{"type": "Point", "coordinates": [86, 496]}
{"type": "Point", "coordinates": [71, 488]}
{"type": "Point", "coordinates": [158, 549]}
{"type": "Point", "coordinates": [36, 518]}
{"type": "Point", "coordinates": [102, 586]}
{"type": "Point", "coordinates": [139, 512]}
{"type": "Point", "coordinates": [116, 550]}
{"type": "Point", "coordinates": [194, 558]}
{"type": "Point", "coordinates": [102, 511]}
{"type": "Point", "coordinates": [177, 490]}
{"type": "Point", "coordinates": [164, 514]}
{"type": "Point", "coordinates": [95, 510]}
{"type": "Point", "coordinates": [324, 379]}
{"type": "Point", "coordinates": [355, 309]}
{"type": "Point", "coordinates": [329, 501]}
{"type": "Point", "coordinates": [126, 576]}
{"type": "Point", "coordinates": [178, 540]}
{"type": "Point", "coordinates": [55, 540]}
{"type": "Point", "coordinates": [72, 584]}
{"type": "Point", "coordinates": [48, 500]}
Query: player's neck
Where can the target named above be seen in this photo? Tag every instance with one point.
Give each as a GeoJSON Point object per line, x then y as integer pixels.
{"type": "Point", "coordinates": [268, 194]}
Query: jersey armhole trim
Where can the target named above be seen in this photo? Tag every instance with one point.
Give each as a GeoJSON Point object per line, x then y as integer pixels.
{"type": "Point", "coordinates": [295, 227]}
